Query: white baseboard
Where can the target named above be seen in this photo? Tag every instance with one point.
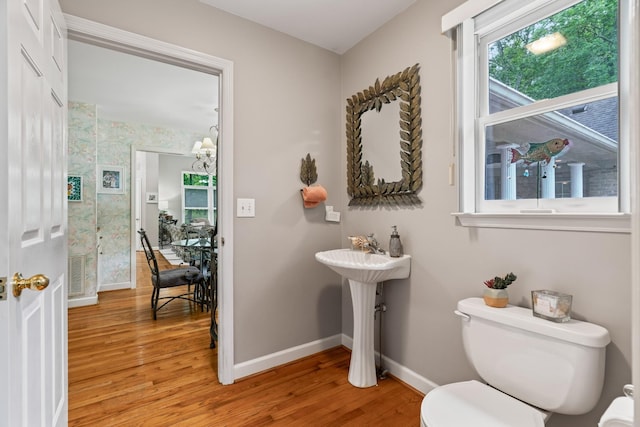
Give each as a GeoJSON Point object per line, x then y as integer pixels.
{"type": "Point", "coordinates": [346, 341]}
{"type": "Point", "coordinates": [114, 286]}
{"type": "Point", "coordinates": [269, 361]}
{"type": "Point", "coordinates": [408, 376]}
{"type": "Point", "coordinates": [399, 371]}
{"type": "Point", "coordinates": [81, 302]}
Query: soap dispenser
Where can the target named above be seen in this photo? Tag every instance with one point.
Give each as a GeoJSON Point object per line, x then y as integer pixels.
{"type": "Point", "coordinates": [395, 245]}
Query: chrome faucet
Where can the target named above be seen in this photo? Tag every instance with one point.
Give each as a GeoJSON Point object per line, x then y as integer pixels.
{"type": "Point", "coordinates": [373, 246]}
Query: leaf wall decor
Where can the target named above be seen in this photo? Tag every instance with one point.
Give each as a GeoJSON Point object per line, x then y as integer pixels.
{"type": "Point", "coordinates": [404, 88]}
{"type": "Point", "coordinates": [308, 172]}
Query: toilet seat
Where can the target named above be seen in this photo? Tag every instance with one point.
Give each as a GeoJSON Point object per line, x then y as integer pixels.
{"type": "Point", "coordinates": [472, 403]}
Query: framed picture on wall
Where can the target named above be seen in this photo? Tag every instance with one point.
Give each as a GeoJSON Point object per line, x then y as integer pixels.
{"type": "Point", "coordinates": [111, 179]}
{"type": "Point", "coordinates": [74, 188]}
{"type": "Point", "coordinates": [152, 197]}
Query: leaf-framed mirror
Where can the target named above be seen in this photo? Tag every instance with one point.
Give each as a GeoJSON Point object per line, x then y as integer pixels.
{"type": "Point", "coordinates": [362, 185]}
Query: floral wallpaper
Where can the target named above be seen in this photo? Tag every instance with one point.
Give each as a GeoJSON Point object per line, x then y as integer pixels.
{"type": "Point", "coordinates": [82, 215]}
{"type": "Point", "coordinates": [92, 142]}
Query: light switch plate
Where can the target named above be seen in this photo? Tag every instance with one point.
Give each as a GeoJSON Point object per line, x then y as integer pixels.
{"type": "Point", "coordinates": [332, 216]}
{"type": "Point", "coordinates": [246, 208]}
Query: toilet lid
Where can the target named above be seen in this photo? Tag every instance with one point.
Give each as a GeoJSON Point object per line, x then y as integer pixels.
{"type": "Point", "coordinates": [472, 403]}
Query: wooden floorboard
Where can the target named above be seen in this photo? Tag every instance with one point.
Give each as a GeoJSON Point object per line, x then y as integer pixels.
{"type": "Point", "coordinates": [125, 369]}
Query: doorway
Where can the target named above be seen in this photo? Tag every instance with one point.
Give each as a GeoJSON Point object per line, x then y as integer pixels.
{"type": "Point", "coordinates": [97, 34]}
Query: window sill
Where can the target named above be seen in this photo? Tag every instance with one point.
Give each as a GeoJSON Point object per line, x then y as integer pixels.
{"type": "Point", "coordinates": [602, 223]}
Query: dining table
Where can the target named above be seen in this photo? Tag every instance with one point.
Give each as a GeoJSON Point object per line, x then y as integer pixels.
{"type": "Point", "coordinates": [202, 245]}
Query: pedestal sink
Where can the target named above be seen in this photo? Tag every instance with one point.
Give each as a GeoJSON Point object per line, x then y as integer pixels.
{"type": "Point", "coordinates": [364, 270]}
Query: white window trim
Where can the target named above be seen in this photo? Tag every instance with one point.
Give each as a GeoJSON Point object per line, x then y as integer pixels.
{"type": "Point", "coordinates": [466, 11]}
{"type": "Point", "coordinates": [472, 8]}
{"type": "Point", "coordinates": [603, 223]}
{"type": "Point", "coordinates": [547, 219]}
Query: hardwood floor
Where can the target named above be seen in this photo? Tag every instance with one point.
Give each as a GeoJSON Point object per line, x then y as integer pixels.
{"type": "Point", "coordinates": [125, 369]}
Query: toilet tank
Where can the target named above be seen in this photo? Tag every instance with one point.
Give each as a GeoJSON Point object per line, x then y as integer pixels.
{"type": "Point", "coordinates": [558, 367]}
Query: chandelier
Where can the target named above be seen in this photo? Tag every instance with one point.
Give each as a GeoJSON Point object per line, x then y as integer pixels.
{"type": "Point", "coordinates": [206, 153]}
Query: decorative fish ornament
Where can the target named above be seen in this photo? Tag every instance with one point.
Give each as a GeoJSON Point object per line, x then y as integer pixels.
{"type": "Point", "coordinates": [530, 153]}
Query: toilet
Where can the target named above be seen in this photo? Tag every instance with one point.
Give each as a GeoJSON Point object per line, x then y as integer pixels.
{"type": "Point", "coordinates": [620, 412]}
{"type": "Point", "coordinates": [532, 368]}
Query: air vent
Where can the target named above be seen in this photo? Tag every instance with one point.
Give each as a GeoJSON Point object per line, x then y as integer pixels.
{"type": "Point", "coordinates": [76, 274]}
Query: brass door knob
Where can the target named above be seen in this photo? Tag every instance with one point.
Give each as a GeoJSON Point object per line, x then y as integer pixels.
{"type": "Point", "coordinates": [36, 283]}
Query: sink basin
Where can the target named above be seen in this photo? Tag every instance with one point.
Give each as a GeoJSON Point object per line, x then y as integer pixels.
{"type": "Point", "coordinates": [365, 267]}
{"type": "Point", "coordinates": [364, 270]}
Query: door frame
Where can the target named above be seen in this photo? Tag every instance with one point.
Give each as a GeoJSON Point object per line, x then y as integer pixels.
{"type": "Point", "coordinates": [137, 212]}
{"type": "Point", "coordinates": [102, 35]}
{"type": "Point", "coordinates": [630, 49]}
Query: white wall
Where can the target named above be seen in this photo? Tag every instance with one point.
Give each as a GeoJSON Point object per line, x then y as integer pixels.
{"type": "Point", "coordinates": [451, 262]}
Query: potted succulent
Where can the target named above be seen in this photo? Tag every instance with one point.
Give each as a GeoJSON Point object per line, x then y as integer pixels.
{"type": "Point", "coordinates": [496, 294]}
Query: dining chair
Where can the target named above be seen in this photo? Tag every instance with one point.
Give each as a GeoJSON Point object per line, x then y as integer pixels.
{"type": "Point", "coordinates": [162, 279]}
{"type": "Point", "coordinates": [191, 233]}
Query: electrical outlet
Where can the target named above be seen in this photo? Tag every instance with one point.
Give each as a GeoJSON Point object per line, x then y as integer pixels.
{"type": "Point", "coordinates": [246, 208]}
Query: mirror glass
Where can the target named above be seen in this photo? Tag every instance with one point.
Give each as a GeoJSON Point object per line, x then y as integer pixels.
{"type": "Point", "coordinates": [380, 136]}
{"type": "Point", "coordinates": [381, 171]}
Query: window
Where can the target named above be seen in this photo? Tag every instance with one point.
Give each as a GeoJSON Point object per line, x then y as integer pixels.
{"type": "Point", "coordinates": [538, 113]}
{"type": "Point", "coordinates": [199, 197]}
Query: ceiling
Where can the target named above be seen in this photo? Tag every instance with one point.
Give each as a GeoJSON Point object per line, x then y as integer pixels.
{"type": "Point", "coordinates": [129, 88]}
{"type": "Point", "coordinates": [336, 25]}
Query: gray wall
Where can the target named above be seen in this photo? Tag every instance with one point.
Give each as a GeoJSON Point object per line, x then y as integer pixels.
{"type": "Point", "coordinates": [287, 104]}
{"type": "Point", "coordinates": [450, 262]}
{"type": "Point", "coordinates": [289, 100]}
{"type": "Point", "coordinates": [149, 211]}
{"type": "Point", "coordinates": [170, 182]}
{"type": "Point", "coordinates": [162, 174]}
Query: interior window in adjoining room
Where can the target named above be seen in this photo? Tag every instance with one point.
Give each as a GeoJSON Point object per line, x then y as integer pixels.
{"type": "Point", "coordinates": [199, 197]}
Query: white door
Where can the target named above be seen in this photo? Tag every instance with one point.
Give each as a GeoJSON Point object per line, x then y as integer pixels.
{"type": "Point", "coordinates": [33, 325]}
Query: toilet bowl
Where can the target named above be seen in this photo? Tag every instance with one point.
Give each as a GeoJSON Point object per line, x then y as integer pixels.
{"type": "Point", "coordinates": [533, 367]}
{"type": "Point", "coordinates": [472, 403]}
